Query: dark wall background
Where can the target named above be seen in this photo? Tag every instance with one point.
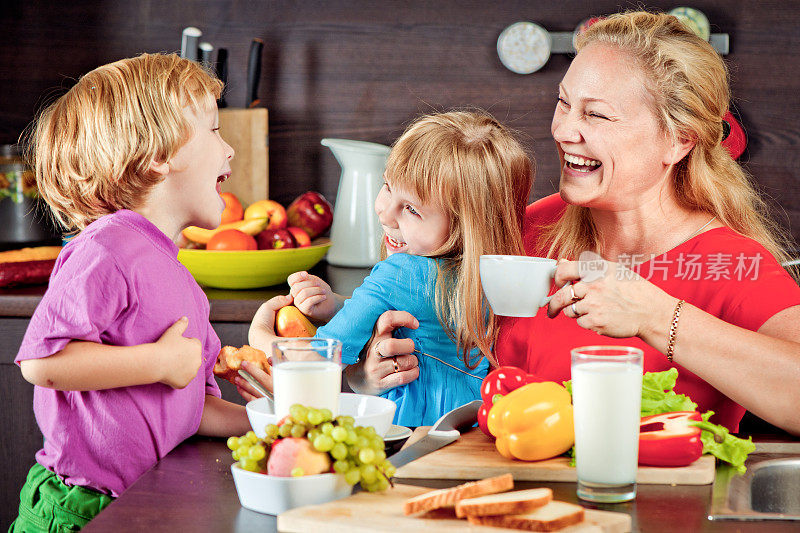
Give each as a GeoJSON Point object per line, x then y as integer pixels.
{"type": "Point", "coordinates": [362, 70]}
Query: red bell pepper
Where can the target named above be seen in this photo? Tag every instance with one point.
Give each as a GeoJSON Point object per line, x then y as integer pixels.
{"type": "Point", "coordinates": [672, 439]}
{"type": "Point", "coordinates": [500, 381]}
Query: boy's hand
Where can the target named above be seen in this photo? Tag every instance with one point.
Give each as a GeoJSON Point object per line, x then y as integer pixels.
{"type": "Point", "coordinates": [313, 297]}
{"type": "Point", "coordinates": [245, 389]}
{"type": "Point", "coordinates": [262, 328]}
{"type": "Point", "coordinates": [180, 357]}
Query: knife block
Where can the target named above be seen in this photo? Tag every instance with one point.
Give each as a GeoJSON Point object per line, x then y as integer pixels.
{"type": "Point", "coordinates": [246, 130]}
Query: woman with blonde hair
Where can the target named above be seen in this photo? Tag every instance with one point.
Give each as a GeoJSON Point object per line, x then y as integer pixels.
{"type": "Point", "coordinates": [446, 176]}
{"type": "Point", "coordinates": [691, 261]}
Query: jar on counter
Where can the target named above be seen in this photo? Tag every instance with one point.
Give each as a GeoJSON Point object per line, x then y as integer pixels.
{"type": "Point", "coordinates": [24, 220]}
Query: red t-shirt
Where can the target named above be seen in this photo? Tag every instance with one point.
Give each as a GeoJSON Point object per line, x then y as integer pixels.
{"type": "Point", "coordinates": [720, 271]}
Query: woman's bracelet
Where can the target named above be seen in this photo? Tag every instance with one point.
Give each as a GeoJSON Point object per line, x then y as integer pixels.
{"type": "Point", "coordinates": [673, 328]}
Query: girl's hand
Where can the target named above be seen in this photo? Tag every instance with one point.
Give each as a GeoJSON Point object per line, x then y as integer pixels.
{"type": "Point", "coordinates": [245, 389]}
{"type": "Point", "coordinates": [610, 299]}
{"type": "Point", "coordinates": [262, 328]}
{"type": "Point", "coordinates": [313, 297]}
{"type": "Point", "coordinates": [385, 362]}
{"type": "Point", "coordinates": [180, 356]}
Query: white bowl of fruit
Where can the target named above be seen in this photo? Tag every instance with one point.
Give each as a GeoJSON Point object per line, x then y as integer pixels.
{"type": "Point", "coordinates": [298, 463]}
{"type": "Point", "coordinates": [365, 409]}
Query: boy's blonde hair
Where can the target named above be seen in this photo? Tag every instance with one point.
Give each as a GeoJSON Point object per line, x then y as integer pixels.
{"type": "Point", "coordinates": [475, 169]}
{"type": "Point", "coordinates": [688, 91]}
{"type": "Point", "coordinates": [91, 150]}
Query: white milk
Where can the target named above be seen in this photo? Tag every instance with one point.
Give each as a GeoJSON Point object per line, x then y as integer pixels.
{"type": "Point", "coordinates": [309, 383]}
{"type": "Point", "coordinates": [606, 399]}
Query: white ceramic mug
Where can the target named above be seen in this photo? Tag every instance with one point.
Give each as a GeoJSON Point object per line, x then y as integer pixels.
{"type": "Point", "coordinates": [516, 285]}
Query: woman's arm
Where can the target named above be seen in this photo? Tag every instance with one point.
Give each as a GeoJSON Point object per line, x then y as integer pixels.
{"type": "Point", "coordinates": [173, 360]}
{"type": "Point", "coordinates": [758, 370]}
{"type": "Point", "coordinates": [222, 418]}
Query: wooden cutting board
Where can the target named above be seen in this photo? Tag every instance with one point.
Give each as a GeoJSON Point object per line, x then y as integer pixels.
{"type": "Point", "coordinates": [246, 131]}
{"type": "Point", "coordinates": [474, 456]}
{"type": "Point", "coordinates": [383, 511]}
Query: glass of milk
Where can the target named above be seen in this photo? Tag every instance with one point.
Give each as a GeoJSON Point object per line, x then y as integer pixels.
{"type": "Point", "coordinates": [606, 396]}
{"type": "Point", "coordinates": [307, 371]}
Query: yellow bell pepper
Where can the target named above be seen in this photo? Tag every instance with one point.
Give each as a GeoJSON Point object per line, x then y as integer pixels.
{"type": "Point", "coordinates": [533, 422]}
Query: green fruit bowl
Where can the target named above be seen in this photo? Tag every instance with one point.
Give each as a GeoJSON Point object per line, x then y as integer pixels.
{"type": "Point", "coordinates": [250, 269]}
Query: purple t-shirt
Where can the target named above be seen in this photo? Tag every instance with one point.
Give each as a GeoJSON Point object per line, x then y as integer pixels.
{"type": "Point", "coordinates": [118, 282]}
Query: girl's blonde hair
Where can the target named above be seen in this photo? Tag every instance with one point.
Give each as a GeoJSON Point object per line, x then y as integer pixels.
{"type": "Point", "coordinates": [91, 149]}
{"type": "Point", "coordinates": [475, 169]}
{"type": "Point", "coordinates": [688, 89]}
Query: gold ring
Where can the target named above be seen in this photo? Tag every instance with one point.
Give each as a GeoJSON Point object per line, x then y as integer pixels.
{"type": "Point", "coordinates": [572, 292]}
{"type": "Point", "coordinates": [396, 366]}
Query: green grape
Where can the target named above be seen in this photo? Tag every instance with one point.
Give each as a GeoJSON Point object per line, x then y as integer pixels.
{"type": "Point", "coordinates": [368, 474]}
{"type": "Point", "coordinates": [326, 413]}
{"type": "Point", "coordinates": [297, 472]}
{"type": "Point", "coordinates": [285, 430]}
{"type": "Point", "coordinates": [362, 442]}
{"type": "Point", "coordinates": [352, 438]}
{"type": "Point", "coordinates": [380, 455]}
{"type": "Point", "coordinates": [271, 430]}
{"type": "Point", "coordinates": [235, 455]}
{"type": "Point", "coordinates": [339, 434]}
{"type": "Point", "coordinates": [369, 432]}
{"type": "Point", "coordinates": [248, 464]}
{"type": "Point", "coordinates": [233, 443]}
{"type": "Point", "coordinates": [298, 431]}
{"type": "Point", "coordinates": [299, 413]}
{"type": "Point", "coordinates": [381, 484]}
{"type": "Point", "coordinates": [339, 451]}
{"type": "Point", "coordinates": [244, 450]}
{"type": "Point", "coordinates": [251, 436]}
{"type": "Point", "coordinates": [314, 416]}
{"type": "Point", "coordinates": [257, 452]}
{"type": "Point", "coordinates": [347, 420]}
{"type": "Point", "coordinates": [341, 466]}
{"type": "Point", "coordinates": [366, 455]}
{"type": "Point", "coordinates": [323, 443]}
{"type": "Point", "coordinates": [326, 428]}
{"type": "Point", "coordinates": [313, 434]}
{"type": "Point", "coordinates": [377, 443]}
{"type": "Point", "coordinates": [352, 476]}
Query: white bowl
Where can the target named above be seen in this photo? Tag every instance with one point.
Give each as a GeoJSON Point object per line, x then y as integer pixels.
{"type": "Point", "coordinates": [367, 411]}
{"type": "Point", "coordinates": [274, 495]}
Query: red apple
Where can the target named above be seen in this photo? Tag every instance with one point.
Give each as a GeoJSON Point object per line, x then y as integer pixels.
{"type": "Point", "coordinates": [271, 239]}
{"type": "Point", "coordinates": [300, 237]}
{"type": "Point", "coordinates": [310, 212]}
{"type": "Point", "coordinates": [270, 210]}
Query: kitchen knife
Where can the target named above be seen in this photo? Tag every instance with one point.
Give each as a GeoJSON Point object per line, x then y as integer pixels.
{"type": "Point", "coordinates": [443, 432]}
{"type": "Point", "coordinates": [222, 73]}
{"type": "Point", "coordinates": [253, 72]}
{"type": "Point", "coordinates": [189, 39]}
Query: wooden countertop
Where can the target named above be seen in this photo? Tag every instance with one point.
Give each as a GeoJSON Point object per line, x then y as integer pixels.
{"type": "Point", "coordinates": [226, 305]}
{"type": "Point", "coordinates": [192, 489]}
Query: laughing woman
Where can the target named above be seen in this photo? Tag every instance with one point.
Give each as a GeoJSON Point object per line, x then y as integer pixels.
{"type": "Point", "coordinates": [691, 260]}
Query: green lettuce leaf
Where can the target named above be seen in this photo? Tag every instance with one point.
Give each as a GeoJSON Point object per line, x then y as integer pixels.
{"type": "Point", "coordinates": [718, 441]}
{"type": "Point", "coordinates": [658, 396]}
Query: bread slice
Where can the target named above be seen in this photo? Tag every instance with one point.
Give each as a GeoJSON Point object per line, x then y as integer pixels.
{"type": "Point", "coordinates": [437, 499]}
{"type": "Point", "coordinates": [550, 517]}
{"type": "Point", "coordinates": [230, 358]}
{"type": "Point", "coordinates": [517, 502]}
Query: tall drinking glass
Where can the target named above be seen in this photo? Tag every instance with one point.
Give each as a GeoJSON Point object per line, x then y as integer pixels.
{"type": "Point", "coordinates": [606, 396]}
{"type": "Point", "coordinates": [307, 371]}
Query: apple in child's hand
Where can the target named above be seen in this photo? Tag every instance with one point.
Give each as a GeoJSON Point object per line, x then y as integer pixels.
{"type": "Point", "coordinates": [290, 322]}
{"type": "Point", "coordinates": [300, 236]}
{"type": "Point", "coordinates": [290, 453]}
{"type": "Point", "coordinates": [310, 212]}
{"type": "Point", "coordinates": [272, 211]}
{"type": "Point", "coordinates": [275, 239]}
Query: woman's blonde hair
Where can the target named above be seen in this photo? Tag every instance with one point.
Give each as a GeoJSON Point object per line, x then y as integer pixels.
{"type": "Point", "coordinates": [687, 84]}
{"type": "Point", "coordinates": [476, 170]}
{"type": "Point", "coordinates": [91, 149]}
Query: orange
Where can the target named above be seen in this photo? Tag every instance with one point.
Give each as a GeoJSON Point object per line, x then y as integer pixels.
{"type": "Point", "coordinates": [232, 239]}
{"type": "Point", "coordinates": [233, 208]}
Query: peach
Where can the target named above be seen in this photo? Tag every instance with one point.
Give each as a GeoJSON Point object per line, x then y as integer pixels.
{"type": "Point", "coordinates": [290, 453]}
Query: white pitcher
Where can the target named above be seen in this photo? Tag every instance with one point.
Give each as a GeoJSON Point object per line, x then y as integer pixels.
{"type": "Point", "coordinates": [356, 233]}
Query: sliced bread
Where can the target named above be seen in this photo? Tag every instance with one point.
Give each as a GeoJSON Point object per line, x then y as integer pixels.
{"type": "Point", "coordinates": [550, 517]}
{"type": "Point", "coordinates": [448, 497]}
{"type": "Point", "coordinates": [516, 502]}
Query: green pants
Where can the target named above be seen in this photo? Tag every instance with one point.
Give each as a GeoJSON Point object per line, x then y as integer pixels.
{"type": "Point", "coordinates": [46, 504]}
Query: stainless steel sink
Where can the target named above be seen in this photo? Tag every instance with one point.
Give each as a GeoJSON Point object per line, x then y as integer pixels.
{"type": "Point", "coordinates": [769, 490]}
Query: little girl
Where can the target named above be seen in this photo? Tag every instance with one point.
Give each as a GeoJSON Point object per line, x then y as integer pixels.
{"type": "Point", "coordinates": [456, 185]}
{"type": "Point", "coordinates": [120, 349]}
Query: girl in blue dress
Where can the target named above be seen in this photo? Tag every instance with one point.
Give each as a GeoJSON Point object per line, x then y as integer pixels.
{"type": "Point", "coordinates": [456, 186]}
